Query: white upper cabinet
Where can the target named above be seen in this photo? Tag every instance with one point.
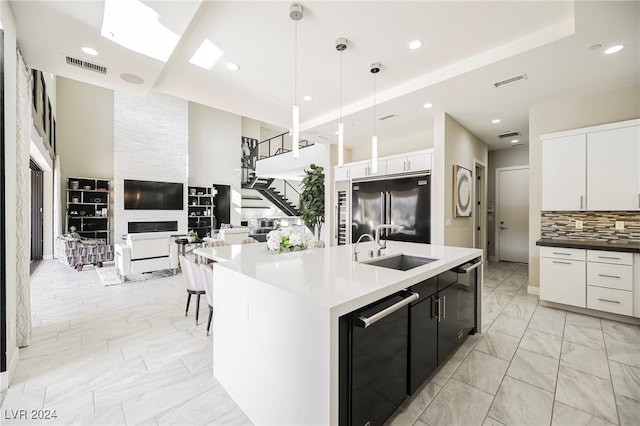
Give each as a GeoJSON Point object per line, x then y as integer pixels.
{"type": "Point", "coordinates": [409, 163]}
{"type": "Point", "coordinates": [613, 166]}
{"type": "Point", "coordinates": [360, 170]}
{"type": "Point", "coordinates": [564, 173]}
{"type": "Point", "coordinates": [341, 173]}
{"type": "Point", "coordinates": [595, 168]}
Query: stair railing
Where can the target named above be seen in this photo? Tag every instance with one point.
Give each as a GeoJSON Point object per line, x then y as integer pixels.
{"type": "Point", "coordinates": [280, 144]}
{"type": "Point", "coordinates": [287, 191]}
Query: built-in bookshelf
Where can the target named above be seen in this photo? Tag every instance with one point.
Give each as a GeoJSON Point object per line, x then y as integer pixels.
{"type": "Point", "coordinates": [201, 219]}
{"type": "Point", "coordinates": [88, 208]}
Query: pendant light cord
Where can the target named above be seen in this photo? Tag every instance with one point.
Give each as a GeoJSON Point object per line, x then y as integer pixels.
{"type": "Point", "coordinates": [295, 63]}
{"type": "Point", "coordinates": [341, 87]}
{"type": "Point", "coordinates": [374, 104]}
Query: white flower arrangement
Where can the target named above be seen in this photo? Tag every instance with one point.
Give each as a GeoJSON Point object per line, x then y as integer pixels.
{"type": "Point", "coordinates": [289, 238]}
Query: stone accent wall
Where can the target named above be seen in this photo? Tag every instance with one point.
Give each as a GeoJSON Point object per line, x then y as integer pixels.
{"type": "Point", "coordinates": [597, 226]}
{"type": "Point", "coordinates": [151, 142]}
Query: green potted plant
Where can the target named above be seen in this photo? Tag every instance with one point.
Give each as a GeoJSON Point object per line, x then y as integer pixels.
{"type": "Point", "coordinates": [192, 236]}
{"type": "Point", "coordinates": [312, 198]}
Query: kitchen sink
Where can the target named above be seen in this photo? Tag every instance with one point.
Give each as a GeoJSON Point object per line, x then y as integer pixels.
{"type": "Point", "coordinates": [400, 262]}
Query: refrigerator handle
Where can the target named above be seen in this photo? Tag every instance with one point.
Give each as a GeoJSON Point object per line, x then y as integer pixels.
{"type": "Point", "coordinates": [388, 204]}
{"type": "Point", "coordinates": [382, 208]}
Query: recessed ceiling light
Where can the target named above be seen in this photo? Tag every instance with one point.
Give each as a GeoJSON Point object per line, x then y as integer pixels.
{"type": "Point", "coordinates": [307, 98]}
{"type": "Point", "coordinates": [427, 105]}
{"type": "Point", "coordinates": [233, 67]}
{"type": "Point", "coordinates": [614, 49]}
{"type": "Point", "coordinates": [90, 51]}
{"type": "Point", "coordinates": [415, 44]}
{"type": "Point", "coordinates": [496, 121]}
{"type": "Point", "coordinates": [131, 78]}
{"type": "Point", "coordinates": [515, 141]}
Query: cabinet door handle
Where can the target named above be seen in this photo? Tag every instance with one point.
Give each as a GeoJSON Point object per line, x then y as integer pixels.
{"type": "Point", "coordinates": [608, 276]}
{"type": "Point", "coordinates": [610, 301]}
{"type": "Point", "coordinates": [562, 254]}
{"type": "Point", "coordinates": [408, 165]}
{"type": "Point", "coordinates": [581, 201]}
{"type": "Point", "coordinates": [434, 301]}
{"type": "Point", "coordinates": [404, 166]}
{"type": "Point", "coordinates": [564, 263]}
{"type": "Point", "coordinates": [609, 257]}
{"type": "Point", "coordinates": [367, 321]}
{"type": "Point", "coordinates": [444, 307]}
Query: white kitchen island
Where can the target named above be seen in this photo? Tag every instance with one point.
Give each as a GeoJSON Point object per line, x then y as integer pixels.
{"type": "Point", "coordinates": [275, 320]}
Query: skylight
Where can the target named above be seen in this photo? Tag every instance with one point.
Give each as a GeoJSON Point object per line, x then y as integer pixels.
{"type": "Point", "coordinates": [207, 55]}
{"type": "Point", "coordinates": [137, 27]}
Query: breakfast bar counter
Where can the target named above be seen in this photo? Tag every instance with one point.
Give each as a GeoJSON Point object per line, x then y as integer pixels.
{"type": "Point", "coordinates": [275, 320]}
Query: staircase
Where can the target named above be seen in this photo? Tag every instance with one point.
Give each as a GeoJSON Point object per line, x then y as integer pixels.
{"type": "Point", "coordinates": [263, 186]}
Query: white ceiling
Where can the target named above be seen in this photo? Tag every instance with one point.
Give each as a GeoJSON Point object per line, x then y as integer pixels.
{"type": "Point", "coordinates": [467, 47]}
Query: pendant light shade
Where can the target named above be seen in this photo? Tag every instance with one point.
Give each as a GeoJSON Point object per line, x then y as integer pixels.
{"type": "Point", "coordinates": [375, 69]}
{"type": "Point", "coordinates": [295, 13]}
{"type": "Point", "coordinates": [341, 46]}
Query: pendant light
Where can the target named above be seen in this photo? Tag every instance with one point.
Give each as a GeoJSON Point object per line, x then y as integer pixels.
{"type": "Point", "coordinates": [295, 13]}
{"type": "Point", "coordinates": [341, 46]}
{"type": "Point", "coordinates": [375, 69]}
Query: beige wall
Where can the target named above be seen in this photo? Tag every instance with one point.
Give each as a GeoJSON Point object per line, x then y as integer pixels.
{"type": "Point", "coordinates": [85, 131]}
{"type": "Point", "coordinates": [215, 151]}
{"type": "Point", "coordinates": [250, 128]}
{"type": "Point", "coordinates": [461, 148]}
{"type": "Point", "coordinates": [566, 114]}
{"type": "Point", "coordinates": [414, 142]}
{"type": "Point", "coordinates": [510, 157]}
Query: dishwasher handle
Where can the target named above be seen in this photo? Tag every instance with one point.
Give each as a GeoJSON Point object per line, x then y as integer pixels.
{"type": "Point", "coordinates": [365, 322]}
{"type": "Point", "coordinates": [475, 263]}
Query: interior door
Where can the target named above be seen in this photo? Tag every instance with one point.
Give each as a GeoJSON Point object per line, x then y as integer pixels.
{"type": "Point", "coordinates": [513, 214]}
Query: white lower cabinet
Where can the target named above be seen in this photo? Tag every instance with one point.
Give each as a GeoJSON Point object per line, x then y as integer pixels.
{"type": "Point", "coordinates": [594, 279]}
{"type": "Point", "coordinates": [563, 281]}
{"type": "Point", "coordinates": [610, 300]}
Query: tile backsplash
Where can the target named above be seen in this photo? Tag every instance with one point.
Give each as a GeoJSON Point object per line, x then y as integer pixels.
{"type": "Point", "coordinates": [596, 226]}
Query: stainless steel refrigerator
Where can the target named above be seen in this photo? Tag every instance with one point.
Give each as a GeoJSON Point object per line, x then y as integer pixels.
{"type": "Point", "coordinates": [404, 201]}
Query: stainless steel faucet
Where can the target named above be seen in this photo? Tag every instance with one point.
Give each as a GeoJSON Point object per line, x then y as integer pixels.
{"type": "Point", "coordinates": [355, 253]}
{"type": "Point", "coordinates": [378, 229]}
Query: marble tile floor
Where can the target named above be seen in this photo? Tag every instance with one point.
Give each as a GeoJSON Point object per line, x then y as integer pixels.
{"type": "Point", "coordinates": [533, 365]}
{"type": "Point", "coordinates": [115, 355]}
{"type": "Point", "coordinates": [127, 355]}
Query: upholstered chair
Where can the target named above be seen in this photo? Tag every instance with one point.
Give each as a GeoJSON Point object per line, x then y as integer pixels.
{"type": "Point", "coordinates": [249, 241]}
{"type": "Point", "coordinates": [194, 282]}
{"type": "Point", "coordinates": [207, 274]}
{"type": "Point", "coordinates": [217, 243]}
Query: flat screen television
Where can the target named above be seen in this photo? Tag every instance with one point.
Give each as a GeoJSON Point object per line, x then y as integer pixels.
{"type": "Point", "coordinates": [147, 195]}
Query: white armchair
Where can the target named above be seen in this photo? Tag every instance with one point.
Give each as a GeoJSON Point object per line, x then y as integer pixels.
{"type": "Point", "coordinates": [146, 252]}
{"type": "Point", "coordinates": [233, 235]}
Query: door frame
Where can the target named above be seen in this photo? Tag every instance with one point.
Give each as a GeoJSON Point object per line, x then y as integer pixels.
{"type": "Point", "coordinates": [481, 218]}
{"type": "Point", "coordinates": [497, 206]}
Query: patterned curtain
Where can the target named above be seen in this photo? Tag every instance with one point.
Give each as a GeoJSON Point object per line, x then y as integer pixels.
{"type": "Point", "coordinates": [23, 204]}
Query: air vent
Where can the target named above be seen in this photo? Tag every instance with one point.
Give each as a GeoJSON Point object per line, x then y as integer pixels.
{"type": "Point", "coordinates": [510, 80]}
{"type": "Point", "coordinates": [85, 65]}
{"type": "Point", "coordinates": [387, 117]}
{"type": "Point", "coordinates": [508, 134]}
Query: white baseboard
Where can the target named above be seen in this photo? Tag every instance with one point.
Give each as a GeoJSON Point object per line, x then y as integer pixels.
{"type": "Point", "coordinates": [533, 290]}
{"type": "Point", "coordinates": [6, 376]}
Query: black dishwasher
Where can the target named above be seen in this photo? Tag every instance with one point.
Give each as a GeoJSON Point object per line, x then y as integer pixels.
{"type": "Point", "coordinates": [373, 360]}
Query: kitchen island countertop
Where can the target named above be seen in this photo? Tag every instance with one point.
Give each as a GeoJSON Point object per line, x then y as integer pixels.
{"type": "Point", "coordinates": [276, 320]}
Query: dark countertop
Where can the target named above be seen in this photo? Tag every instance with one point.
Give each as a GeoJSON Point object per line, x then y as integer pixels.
{"type": "Point", "coordinates": [591, 245]}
